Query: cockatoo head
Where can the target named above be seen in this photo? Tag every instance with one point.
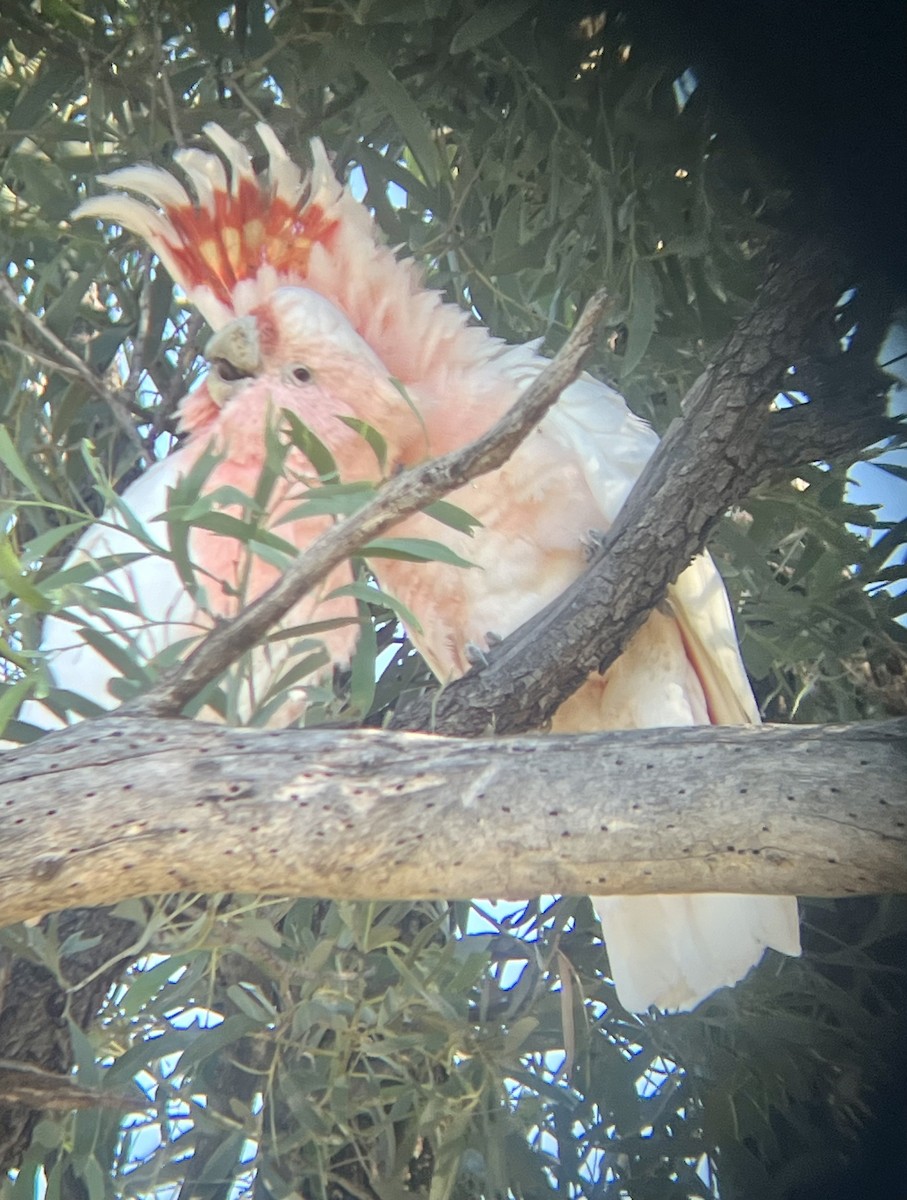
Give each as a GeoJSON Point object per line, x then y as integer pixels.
{"type": "Point", "coordinates": [294, 336]}
{"type": "Point", "coordinates": [298, 351]}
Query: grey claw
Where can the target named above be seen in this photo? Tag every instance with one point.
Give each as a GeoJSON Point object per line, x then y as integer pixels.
{"type": "Point", "coordinates": [592, 541]}
{"type": "Point", "coordinates": [493, 639]}
{"type": "Point", "coordinates": [475, 655]}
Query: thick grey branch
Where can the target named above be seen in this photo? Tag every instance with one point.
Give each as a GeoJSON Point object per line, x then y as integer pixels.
{"type": "Point", "coordinates": [407, 493]}
{"type": "Point", "coordinates": [111, 809]}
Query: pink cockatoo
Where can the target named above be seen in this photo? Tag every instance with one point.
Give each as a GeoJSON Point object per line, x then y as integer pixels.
{"type": "Point", "coordinates": [313, 314]}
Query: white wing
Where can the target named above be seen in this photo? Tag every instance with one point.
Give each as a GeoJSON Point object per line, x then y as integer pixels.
{"type": "Point", "coordinates": [164, 611]}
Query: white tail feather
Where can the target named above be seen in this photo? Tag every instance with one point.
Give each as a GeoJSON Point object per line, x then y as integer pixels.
{"type": "Point", "coordinates": [674, 951]}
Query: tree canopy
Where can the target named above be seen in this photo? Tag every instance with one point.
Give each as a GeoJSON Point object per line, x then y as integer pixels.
{"type": "Point", "coordinates": [527, 153]}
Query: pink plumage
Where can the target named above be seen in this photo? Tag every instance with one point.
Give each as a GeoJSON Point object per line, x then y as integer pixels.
{"type": "Point", "coordinates": [313, 314]}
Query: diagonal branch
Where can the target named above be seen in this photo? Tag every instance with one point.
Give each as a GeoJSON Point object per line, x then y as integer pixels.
{"type": "Point", "coordinates": [709, 460]}
{"type": "Point", "coordinates": [407, 493]}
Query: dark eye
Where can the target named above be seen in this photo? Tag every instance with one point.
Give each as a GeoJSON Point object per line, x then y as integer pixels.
{"type": "Point", "coordinates": [227, 371]}
{"type": "Point", "coordinates": [302, 374]}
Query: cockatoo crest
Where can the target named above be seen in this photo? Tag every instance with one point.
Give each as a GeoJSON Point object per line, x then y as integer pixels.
{"type": "Point", "coordinates": [233, 237]}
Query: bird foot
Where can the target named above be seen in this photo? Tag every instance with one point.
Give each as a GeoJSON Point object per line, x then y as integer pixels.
{"type": "Point", "coordinates": [475, 655]}
{"type": "Point", "coordinates": [592, 541]}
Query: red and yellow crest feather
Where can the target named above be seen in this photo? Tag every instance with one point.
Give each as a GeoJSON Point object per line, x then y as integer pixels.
{"type": "Point", "coordinates": [229, 237]}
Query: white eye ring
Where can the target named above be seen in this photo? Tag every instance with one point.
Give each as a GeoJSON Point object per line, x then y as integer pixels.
{"type": "Point", "coordinates": [299, 374]}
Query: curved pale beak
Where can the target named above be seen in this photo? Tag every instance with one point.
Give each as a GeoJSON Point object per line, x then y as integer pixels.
{"type": "Point", "coordinates": [234, 355]}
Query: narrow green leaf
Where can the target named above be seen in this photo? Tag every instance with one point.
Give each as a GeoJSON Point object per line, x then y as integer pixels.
{"type": "Point", "coordinates": [329, 502]}
{"type": "Point", "coordinates": [414, 550]}
{"type": "Point", "coordinates": [12, 696]}
{"type": "Point", "coordinates": [394, 172]}
{"type": "Point", "coordinates": [488, 22]}
{"type": "Point", "coordinates": [641, 320]}
{"type": "Point", "coordinates": [42, 544]}
{"type": "Point", "coordinates": [6, 651]}
{"type": "Point", "coordinates": [518, 1032]}
{"type": "Point", "coordinates": [191, 486]}
{"type": "Point", "coordinates": [276, 452]}
{"type": "Point", "coordinates": [222, 1166]}
{"type": "Point", "coordinates": [225, 495]}
{"type": "Point", "coordinates": [185, 567]}
{"type": "Point", "coordinates": [226, 525]}
{"type": "Point", "coordinates": [367, 594]}
{"type": "Point", "coordinates": [362, 667]}
{"type": "Point", "coordinates": [413, 407]}
{"type": "Point", "coordinates": [12, 460]}
{"type": "Point", "coordinates": [306, 666]}
{"type": "Point", "coordinates": [453, 516]}
{"type": "Point", "coordinates": [87, 569]}
{"type": "Point", "coordinates": [896, 469]}
{"type": "Point", "coordinates": [884, 547]}
{"type": "Point", "coordinates": [314, 627]}
{"type": "Point", "coordinates": [898, 605]}
{"type": "Point", "coordinates": [143, 1053]}
{"type": "Point", "coordinates": [115, 653]}
{"type": "Point", "coordinates": [213, 1041]}
{"type": "Point", "coordinates": [144, 985]}
{"type": "Point", "coordinates": [369, 434]}
{"type": "Point", "coordinates": [248, 999]}
{"type": "Point", "coordinates": [507, 227]}
{"type": "Point", "coordinates": [61, 315]}
{"type": "Point", "coordinates": [312, 447]}
{"type": "Point", "coordinates": [276, 556]}
{"type": "Point", "coordinates": [89, 1169]}
{"type": "Point", "coordinates": [18, 583]}
{"type": "Point", "coordinates": [400, 105]}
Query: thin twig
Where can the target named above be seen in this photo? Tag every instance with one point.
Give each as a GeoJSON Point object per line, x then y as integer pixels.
{"type": "Point", "coordinates": [68, 360]}
{"type": "Point", "coordinates": [176, 389]}
{"type": "Point", "coordinates": [398, 498]}
{"type": "Point", "coordinates": [169, 99]}
{"type": "Point", "coordinates": [137, 364]}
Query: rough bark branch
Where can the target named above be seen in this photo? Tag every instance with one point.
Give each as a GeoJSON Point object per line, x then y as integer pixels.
{"type": "Point", "coordinates": [111, 809]}
{"type": "Point", "coordinates": [813, 432]}
{"type": "Point", "coordinates": [709, 460]}
{"type": "Point", "coordinates": [407, 493]}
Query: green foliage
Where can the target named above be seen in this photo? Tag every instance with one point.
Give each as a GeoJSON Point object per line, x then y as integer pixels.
{"type": "Point", "coordinates": [524, 154]}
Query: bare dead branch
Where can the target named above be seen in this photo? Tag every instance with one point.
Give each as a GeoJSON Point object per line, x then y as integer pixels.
{"type": "Point", "coordinates": [113, 808]}
{"type": "Point", "coordinates": [22, 1083]}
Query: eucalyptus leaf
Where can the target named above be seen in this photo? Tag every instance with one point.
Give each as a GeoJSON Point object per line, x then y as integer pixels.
{"type": "Point", "coordinates": [488, 22]}
{"type": "Point", "coordinates": [409, 549]}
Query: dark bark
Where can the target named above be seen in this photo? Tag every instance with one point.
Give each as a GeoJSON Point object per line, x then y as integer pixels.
{"type": "Point", "coordinates": [36, 1010]}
